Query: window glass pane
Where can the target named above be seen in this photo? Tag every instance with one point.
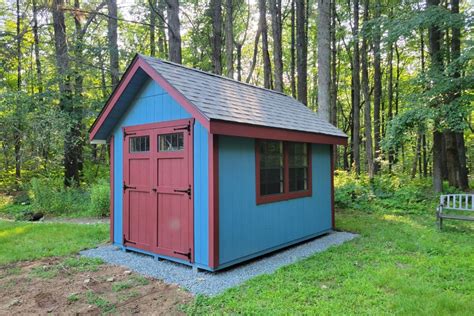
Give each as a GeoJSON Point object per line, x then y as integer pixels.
{"type": "Point", "coordinates": [271, 167]}
{"type": "Point", "coordinates": [298, 166]}
{"type": "Point", "coordinates": [139, 144]}
{"type": "Point", "coordinates": [171, 142]}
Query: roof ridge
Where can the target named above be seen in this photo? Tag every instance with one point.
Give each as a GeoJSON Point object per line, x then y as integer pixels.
{"type": "Point", "coordinates": [213, 75]}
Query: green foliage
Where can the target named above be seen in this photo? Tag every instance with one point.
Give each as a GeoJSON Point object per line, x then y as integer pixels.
{"type": "Point", "coordinates": [395, 194]}
{"type": "Point", "coordinates": [38, 240]}
{"type": "Point", "coordinates": [51, 197]}
{"type": "Point", "coordinates": [100, 199]}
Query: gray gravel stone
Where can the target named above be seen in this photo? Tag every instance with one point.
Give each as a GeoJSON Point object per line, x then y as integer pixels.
{"type": "Point", "coordinates": [214, 283]}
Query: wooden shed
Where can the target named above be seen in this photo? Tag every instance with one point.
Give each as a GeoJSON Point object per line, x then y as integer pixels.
{"type": "Point", "coordinates": [209, 171]}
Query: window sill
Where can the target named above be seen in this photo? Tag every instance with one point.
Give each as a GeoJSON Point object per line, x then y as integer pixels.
{"type": "Point", "coordinates": [282, 197]}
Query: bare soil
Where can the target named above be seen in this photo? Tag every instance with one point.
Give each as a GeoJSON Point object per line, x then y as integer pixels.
{"type": "Point", "coordinates": [48, 286]}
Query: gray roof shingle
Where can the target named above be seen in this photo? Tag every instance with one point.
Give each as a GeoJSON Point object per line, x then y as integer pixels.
{"type": "Point", "coordinates": [221, 98]}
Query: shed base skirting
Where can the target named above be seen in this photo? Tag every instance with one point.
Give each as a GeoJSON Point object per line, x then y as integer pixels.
{"type": "Point", "coordinates": [230, 263]}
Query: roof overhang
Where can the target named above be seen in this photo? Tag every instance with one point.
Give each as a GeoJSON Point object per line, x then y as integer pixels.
{"type": "Point", "coordinates": [136, 74]}
{"type": "Point", "coordinates": [263, 132]}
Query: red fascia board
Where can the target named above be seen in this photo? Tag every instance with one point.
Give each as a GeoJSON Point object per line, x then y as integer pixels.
{"type": "Point", "coordinates": [127, 77]}
{"type": "Point", "coordinates": [263, 132]}
{"type": "Point", "coordinates": [213, 201]}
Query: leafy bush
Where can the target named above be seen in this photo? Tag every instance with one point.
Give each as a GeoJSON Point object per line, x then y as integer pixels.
{"type": "Point", "coordinates": [51, 197]}
{"type": "Point", "coordinates": [100, 199]}
{"type": "Point", "coordinates": [385, 192]}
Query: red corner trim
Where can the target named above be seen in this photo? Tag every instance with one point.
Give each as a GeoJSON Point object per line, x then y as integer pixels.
{"type": "Point", "coordinates": [111, 164]}
{"type": "Point", "coordinates": [262, 132]}
{"type": "Point", "coordinates": [286, 195]}
{"type": "Point", "coordinates": [213, 201]}
{"type": "Point", "coordinates": [333, 220]}
{"type": "Point", "coordinates": [127, 77]}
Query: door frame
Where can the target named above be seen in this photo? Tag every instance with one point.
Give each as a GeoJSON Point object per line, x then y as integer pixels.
{"type": "Point", "coordinates": [165, 124]}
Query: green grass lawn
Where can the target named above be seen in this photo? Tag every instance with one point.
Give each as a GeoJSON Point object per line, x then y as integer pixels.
{"type": "Point", "coordinates": [400, 264]}
{"type": "Point", "coordinates": [28, 241]}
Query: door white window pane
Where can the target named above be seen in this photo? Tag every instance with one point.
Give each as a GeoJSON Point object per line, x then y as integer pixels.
{"type": "Point", "coordinates": [171, 142]}
{"type": "Point", "coordinates": [139, 144]}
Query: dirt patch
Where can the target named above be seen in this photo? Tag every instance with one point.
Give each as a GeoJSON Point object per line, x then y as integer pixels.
{"type": "Point", "coordinates": [84, 286]}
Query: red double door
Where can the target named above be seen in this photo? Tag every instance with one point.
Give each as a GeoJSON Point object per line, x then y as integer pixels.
{"type": "Point", "coordinates": [157, 188]}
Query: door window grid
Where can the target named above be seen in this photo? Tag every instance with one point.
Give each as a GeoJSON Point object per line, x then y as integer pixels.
{"type": "Point", "coordinates": [171, 142]}
{"type": "Point", "coordinates": [139, 144]}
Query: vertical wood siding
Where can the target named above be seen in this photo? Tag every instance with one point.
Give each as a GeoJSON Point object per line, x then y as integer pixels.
{"type": "Point", "coordinates": [247, 229]}
{"type": "Point", "coordinates": [152, 105]}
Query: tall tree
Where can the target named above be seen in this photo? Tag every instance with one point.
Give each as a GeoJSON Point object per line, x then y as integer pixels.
{"type": "Point", "coordinates": [36, 40]}
{"type": "Point", "coordinates": [229, 38]}
{"type": "Point", "coordinates": [275, 11]}
{"type": "Point", "coordinates": [267, 71]}
{"type": "Point", "coordinates": [293, 50]}
{"type": "Point", "coordinates": [153, 5]}
{"type": "Point", "coordinates": [216, 16]}
{"type": "Point", "coordinates": [324, 58]}
{"type": "Point", "coordinates": [356, 90]}
{"type": "Point", "coordinates": [17, 134]}
{"type": "Point", "coordinates": [112, 41]}
{"type": "Point", "coordinates": [366, 94]}
{"type": "Point", "coordinates": [377, 87]}
{"type": "Point", "coordinates": [301, 51]}
{"type": "Point", "coordinates": [174, 31]}
{"type": "Point", "coordinates": [333, 83]}
{"type": "Point", "coordinates": [71, 163]}
{"type": "Point", "coordinates": [436, 68]}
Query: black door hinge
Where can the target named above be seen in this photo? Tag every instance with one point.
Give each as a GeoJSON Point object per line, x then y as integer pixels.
{"type": "Point", "coordinates": [186, 254]}
{"type": "Point", "coordinates": [187, 191]}
{"type": "Point", "coordinates": [125, 187]}
{"type": "Point", "coordinates": [127, 241]}
{"type": "Point", "coordinates": [125, 134]}
{"type": "Point", "coordinates": [187, 128]}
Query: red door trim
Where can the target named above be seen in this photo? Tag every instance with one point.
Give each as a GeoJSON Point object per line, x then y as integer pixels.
{"type": "Point", "coordinates": [263, 132]}
{"type": "Point", "coordinates": [111, 174]}
{"type": "Point", "coordinates": [213, 200]}
{"type": "Point", "coordinates": [139, 63]}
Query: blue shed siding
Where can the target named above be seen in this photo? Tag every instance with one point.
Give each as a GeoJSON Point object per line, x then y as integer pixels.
{"type": "Point", "coordinates": [152, 105]}
{"type": "Point", "coordinates": [247, 229]}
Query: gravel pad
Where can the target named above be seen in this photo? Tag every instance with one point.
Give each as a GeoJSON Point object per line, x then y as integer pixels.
{"type": "Point", "coordinates": [214, 283]}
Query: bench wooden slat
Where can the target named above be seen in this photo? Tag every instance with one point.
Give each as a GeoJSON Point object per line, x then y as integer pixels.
{"type": "Point", "coordinates": [459, 217]}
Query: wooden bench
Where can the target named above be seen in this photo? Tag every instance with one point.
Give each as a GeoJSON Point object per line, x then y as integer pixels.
{"type": "Point", "coordinates": [455, 202]}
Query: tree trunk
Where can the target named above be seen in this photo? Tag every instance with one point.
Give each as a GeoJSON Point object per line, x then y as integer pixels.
{"type": "Point", "coordinates": [293, 54]}
{"type": "Point", "coordinates": [254, 56]}
{"type": "Point", "coordinates": [238, 50]}
{"type": "Point", "coordinates": [39, 73]}
{"type": "Point", "coordinates": [71, 171]}
{"type": "Point", "coordinates": [275, 10]}
{"type": "Point", "coordinates": [366, 93]}
{"type": "Point", "coordinates": [416, 159]}
{"type": "Point", "coordinates": [112, 39]}
{"type": "Point", "coordinates": [324, 58]}
{"type": "Point", "coordinates": [333, 83]}
{"type": "Point", "coordinates": [458, 137]}
{"type": "Point", "coordinates": [174, 32]}
{"type": "Point", "coordinates": [377, 89]}
{"type": "Point", "coordinates": [436, 66]}
{"type": "Point", "coordinates": [301, 51]}
{"type": "Point", "coordinates": [162, 47]}
{"type": "Point", "coordinates": [267, 71]}
{"type": "Point", "coordinates": [356, 90]}
{"type": "Point", "coordinates": [229, 38]}
{"type": "Point", "coordinates": [390, 99]}
{"type": "Point", "coordinates": [17, 131]}
{"type": "Point", "coordinates": [153, 6]}
{"type": "Point", "coordinates": [216, 15]}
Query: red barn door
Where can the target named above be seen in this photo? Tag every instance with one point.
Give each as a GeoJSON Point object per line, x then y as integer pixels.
{"type": "Point", "coordinates": [158, 189]}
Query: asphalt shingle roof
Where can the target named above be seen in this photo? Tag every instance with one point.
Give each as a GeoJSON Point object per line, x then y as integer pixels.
{"type": "Point", "coordinates": [221, 98]}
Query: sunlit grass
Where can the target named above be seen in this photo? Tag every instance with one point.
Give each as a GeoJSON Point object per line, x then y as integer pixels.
{"type": "Point", "coordinates": [28, 241]}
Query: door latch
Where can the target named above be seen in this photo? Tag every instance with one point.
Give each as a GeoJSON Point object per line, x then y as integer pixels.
{"type": "Point", "coordinates": [186, 254]}
{"type": "Point", "coordinates": [125, 187]}
{"type": "Point", "coordinates": [187, 191]}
